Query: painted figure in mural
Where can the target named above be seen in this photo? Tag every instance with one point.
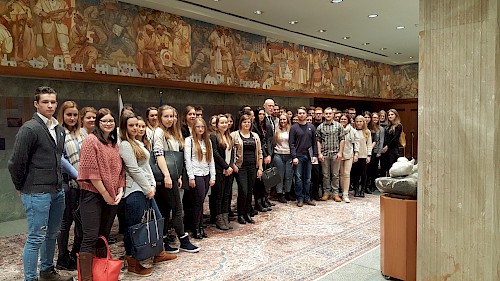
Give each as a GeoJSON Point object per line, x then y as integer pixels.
{"type": "Point", "coordinates": [85, 36]}
{"type": "Point", "coordinates": [316, 70]}
{"type": "Point", "coordinates": [216, 43]}
{"type": "Point", "coordinates": [55, 31]}
{"type": "Point", "coordinates": [6, 43]}
{"type": "Point", "coordinates": [147, 57]}
{"type": "Point", "coordinates": [143, 17]}
{"type": "Point", "coordinates": [304, 64]}
{"type": "Point", "coordinates": [227, 53]}
{"type": "Point", "coordinates": [21, 19]}
{"type": "Point", "coordinates": [182, 42]}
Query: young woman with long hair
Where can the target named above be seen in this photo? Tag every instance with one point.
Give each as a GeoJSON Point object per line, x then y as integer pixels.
{"type": "Point", "coordinates": [364, 155]}
{"type": "Point", "coordinates": [247, 166]}
{"type": "Point", "coordinates": [391, 141]}
{"type": "Point", "coordinates": [200, 167]}
{"type": "Point", "coordinates": [140, 189]}
{"type": "Point", "coordinates": [141, 133]}
{"type": "Point", "coordinates": [377, 144]}
{"type": "Point", "coordinates": [382, 115]}
{"type": "Point", "coordinates": [102, 181]}
{"type": "Point", "coordinates": [349, 156]}
{"type": "Point", "coordinates": [87, 119]}
{"type": "Point", "coordinates": [188, 119]}
{"type": "Point", "coordinates": [168, 136]}
{"type": "Point", "coordinates": [212, 124]}
{"type": "Point", "coordinates": [151, 120]}
{"type": "Point", "coordinates": [282, 158]}
{"type": "Point", "coordinates": [230, 122]}
{"type": "Point", "coordinates": [222, 147]}
{"type": "Point", "coordinates": [68, 117]}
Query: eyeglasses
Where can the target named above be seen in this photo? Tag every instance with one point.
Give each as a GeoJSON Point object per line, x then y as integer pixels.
{"type": "Point", "coordinates": [107, 122]}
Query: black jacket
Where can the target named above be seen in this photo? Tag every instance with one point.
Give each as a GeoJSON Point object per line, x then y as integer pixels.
{"type": "Point", "coordinates": [220, 155]}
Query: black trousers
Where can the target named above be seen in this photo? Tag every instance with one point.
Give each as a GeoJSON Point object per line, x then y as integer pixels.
{"type": "Point", "coordinates": [97, 219]}
{"type": "Point", "coordinates": [372, 170]}
{"type": "Point", "coordinates": [316, 180]}
{"type": "Point", "coordinates": [71, 213]}
{"type": "Point", "coordinates": [358, 174]}
{"type": "Point", "coordinates": [221, 191]}
{"type": "Point", "coordinates": [386, 160]}
{"type": "Point", "coordinates": [245, 178]}
{"type": "Point", "coordinates": [198, 195]}
{"type": "Point", "coordinates": [169, 200]}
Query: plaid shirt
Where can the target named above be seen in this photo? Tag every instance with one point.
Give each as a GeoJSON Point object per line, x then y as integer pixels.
{"type": "Point", "coordinates": [330, 135]}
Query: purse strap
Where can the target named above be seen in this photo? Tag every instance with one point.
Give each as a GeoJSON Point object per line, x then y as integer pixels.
{"type": "Point", "coordinates": [150, 215]}
{"type": "Point", "coordinates": [108, 254]}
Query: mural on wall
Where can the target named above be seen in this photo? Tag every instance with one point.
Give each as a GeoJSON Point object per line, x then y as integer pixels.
{"type": "Point", "coordinates": [109, 37]}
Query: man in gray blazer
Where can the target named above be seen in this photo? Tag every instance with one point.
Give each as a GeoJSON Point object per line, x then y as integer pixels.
{"type": "Point", "coordinates": [35, 169]}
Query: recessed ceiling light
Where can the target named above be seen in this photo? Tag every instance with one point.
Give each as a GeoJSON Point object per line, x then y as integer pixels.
{"type": "Point", "coordinates": [373, 16]}
{"type": "Point", "coordinates": [258, 12]}
{"type": "Point", "coordinates": [346, 37]}
{"type": "Point", "coordinates": [383, 48]}
{"type": "Point", "coordinates": [336, 1]}
{"type": "Point", "coordinates": [366, 44]}
{"type": "Point", "coordinates": [293, 22]}
{"type": "Point", "coordinates": [400, 27]}
{"type": "Point", "coordinates": [397, 53]}
{"type": "Point", "coordinates": [322, 30]}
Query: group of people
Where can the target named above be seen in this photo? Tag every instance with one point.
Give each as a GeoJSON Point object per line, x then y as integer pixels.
{"type": "Point", "coordinates": [88, 166]}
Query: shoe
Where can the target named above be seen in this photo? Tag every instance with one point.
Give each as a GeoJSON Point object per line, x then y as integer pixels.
{"type": "Point", "coordinates": [254, 213]}
{"type": "Point", "coordinates": [85, 266]}
{"type": "Point", "coordinates": [186, 245]}
{"type": "Point", "coordinates": [163, 256]}
{"type": "Point", "coordinates": [52, 275]}
{"type": "Point", "coordinates": [248, 219]}
{"type": "Point", "coordinates": [289, 196]}
{"type": "Point", "coordinates": [203, 234]}
{"type": "Point", "coordinates": [281, 198]}
{"type": "Point", "coordinates": [259, 206]}
{"type": "Point", "coordinates": [241, 220]}
{"type": "Point", "coordinates": [336, 198]}
{"type": "Point", "coordinates": [300, 204]}
{"type": "Point", "coordinates": [268, 203]}
{"type": "Point", "coordinates": [134, 267]}
{"type": "Point", "coordinates": [310, 203]}
{"type": "Point", "coordinates": [346, 198]}
{"type": "Point", "coordinates": [171, 250]}
{"type": "Point", "coordinates": [220, 223]}
{"type": "Point", "coordinates": [66, 262]}
{"type": "Point", "coordinates": [325, 197]}
{"type": "Point", "coordinates": [197, 233]}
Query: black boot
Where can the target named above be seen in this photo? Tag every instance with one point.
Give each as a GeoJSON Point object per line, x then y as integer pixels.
{"type": "Point", "coordinates": [259, 206]}
{"type": "Point", "coordinates": [268, 203]}
{"type": "Point", "coordinates": [281, 198]}
{"type": "Point", "coordinates": [248, 219]}
{"type": "Point", "coordinates": [241, 220]}
{"type": "Point", "coordinates": [197, 233]}
{"type": "Point", "coordinates": [203, 234]}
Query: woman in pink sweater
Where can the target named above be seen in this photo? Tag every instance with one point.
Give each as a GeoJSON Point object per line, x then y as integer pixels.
{"type": "Point", "coordinates": [102, 179]}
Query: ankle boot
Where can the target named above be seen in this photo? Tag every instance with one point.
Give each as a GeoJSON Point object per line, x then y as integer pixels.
{"type": "Point", "coordinates": [202, 231]}
{"type": "Point", "coordinates": [186, 245]}
{"type": "Point", "coordinates": [197, 233]}
{"type": "Point", "coordinates": [225, 217]}
{"type": "Point", "coordinates": [242, 220]}
{"type": "Point", "coordinates": [268, 203]}
{"type": "Point", "coordinates": [248, 219]}
{"type": "Point", "coordinates": [259, 206]}
{"type": "Point", "coordinates": [85, 266]}
{"type": "Point", "coordinates": [220, 223]}
{"type": "Point", "coordinates": [134, 267]}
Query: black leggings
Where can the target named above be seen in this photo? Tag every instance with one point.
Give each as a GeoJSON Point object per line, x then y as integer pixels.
{"type": "Point", "coordinates": [71, 213]}
{"type": "Point", "coordinates": [169, 200]}
{"type": "Point", "coordinates": [245, 178]}
{"type": "Point", "coordinates": [221, 191]}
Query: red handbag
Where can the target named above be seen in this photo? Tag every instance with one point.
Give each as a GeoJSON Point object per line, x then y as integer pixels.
{"type": "Point", "coordinates": [105, 269]}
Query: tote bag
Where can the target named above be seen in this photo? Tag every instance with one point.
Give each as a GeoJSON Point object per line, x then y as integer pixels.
{"type": "Point", "coordinates": [147, 236]}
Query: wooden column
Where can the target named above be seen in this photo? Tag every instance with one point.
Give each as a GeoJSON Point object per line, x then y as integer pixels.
{"type": "Point", "coordinates": [459, 141]}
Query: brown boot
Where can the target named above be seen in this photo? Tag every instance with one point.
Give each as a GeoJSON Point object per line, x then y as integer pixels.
{"type": "Point", "coordinates": [134, 267]}
{"type": "Point", "coordinates": [163, 256]}
{"type": "Point", "coordinates": [85, 266]}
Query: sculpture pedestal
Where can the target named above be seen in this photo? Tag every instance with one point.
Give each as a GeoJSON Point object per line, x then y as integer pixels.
{"type": "Point", "coordinates": [398, 237]}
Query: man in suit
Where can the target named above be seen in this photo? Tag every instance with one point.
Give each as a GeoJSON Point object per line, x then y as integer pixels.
{"type": "Point", "coordinates": [35, 169]}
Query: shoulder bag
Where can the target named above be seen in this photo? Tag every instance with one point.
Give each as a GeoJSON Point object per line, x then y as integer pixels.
{"type": "Point", "coordinates": [104, 269]}
{"type": "Point", "coordinates": [271, 177]}
{"type": "Point", "coordinates": [147, 236]}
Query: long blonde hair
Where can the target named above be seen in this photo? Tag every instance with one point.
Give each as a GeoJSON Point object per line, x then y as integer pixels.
{"type": "Point", "coordinates": [75, 131]}
{"type": "Point", "coordinates": [124, 135]}
{"type": "Point", "coordinates": [205, 137]}
{"type": "Point", "coordinates": [227, 133]}
{"type": "Point", "coordinates": [280, 130]}
{"type": "Point", "coordinates": [397, 120]}
{"type": "Point", "coordinates": [173, 131]}
{"type": "Point", "coordinates": [365, 130]}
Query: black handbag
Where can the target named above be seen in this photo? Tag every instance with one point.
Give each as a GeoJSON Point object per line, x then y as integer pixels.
{"type": "Point", "coordinates": [175, 164]}
{"type": "Point", "coordinates": [271, 177]}
{"type": "Point", "coordinates": [147, 236]}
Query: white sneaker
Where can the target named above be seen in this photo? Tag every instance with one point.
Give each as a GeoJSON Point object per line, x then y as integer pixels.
{"type": "Point", "coordinates": [346, 198]}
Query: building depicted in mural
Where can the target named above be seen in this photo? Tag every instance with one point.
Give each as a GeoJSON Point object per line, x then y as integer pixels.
{"type": "Point", "coordinates": [113, 38]}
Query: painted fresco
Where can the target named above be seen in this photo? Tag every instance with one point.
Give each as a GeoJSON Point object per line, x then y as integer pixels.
{"type": "Point", "coordinates": [113, 38]}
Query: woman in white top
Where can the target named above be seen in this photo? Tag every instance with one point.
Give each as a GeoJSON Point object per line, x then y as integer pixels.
{"type": "Point", "coordinates": [349, 156]}
{"type": "Point", "coordinates": [140, 189]}
{"type": "Point", "coordinates": [282, 158]}
{"type": "Point", "coordinates": [168, 136]}
{"type": "Point", "coordinates": [364, 155]}
{"type": "Point", "coordinates": [200, 167]}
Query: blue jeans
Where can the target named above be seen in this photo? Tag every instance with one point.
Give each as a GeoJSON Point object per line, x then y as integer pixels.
{"type": "Point", "coordinates": [134, 206]}
{"type": "Point", "coordinates": [303, 178]}
{"type": "Point", "coordinates": [285, 167]}
{"type": "Point", "coordinates": [44, 212]}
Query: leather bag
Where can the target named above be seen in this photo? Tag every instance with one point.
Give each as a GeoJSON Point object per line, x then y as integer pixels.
{"type": "Point", "coordinates": [147, 236]}
{"type": "Point", "coordinates": [104, 269]}
{"type": "Point", "coordinates": [271, 177]}
{"type": "Point", "coordinates": [175, 164]}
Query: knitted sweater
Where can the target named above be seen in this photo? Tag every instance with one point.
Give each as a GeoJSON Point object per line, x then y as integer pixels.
{"type": "Point", "coordinates": [365, 144]}
{"type": "Point", "coordinates": [99, 161]}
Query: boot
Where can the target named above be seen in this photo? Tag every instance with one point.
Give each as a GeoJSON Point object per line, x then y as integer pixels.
{"type": "Point", "coordinates": [197, 233]}
{"type": "Point", "coordinates": [268, 203]}
{"type": "Point", "coordinates": [202, 231]}
{"type": "Point", "coordinates": [65, 262]}
{"type": "Point", "coordinates": [225, 217]}
{"type": "Point", "coordinates": [259, 206]}
{"type": "Point", "coordinates": [85, 266]}
{"type": "Point", "coordinates": [163, 256]}
{"type": "Point", "coordinates": [186, 244]}
{"type": "Point", "coordinates": [134, 267]}
{"type": "Point", "coordinates": [220, 223]}
{"type": "Point", "coordinates": [248, 219]}
{"type": "Point", "coordinates": [241, 220]}
{"type": "Point", "coordinates": [281, 198]}
{"type": "Point", "coordinates": [265, 204]}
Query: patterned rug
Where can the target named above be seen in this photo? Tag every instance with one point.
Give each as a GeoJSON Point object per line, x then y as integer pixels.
{"type": "Point", "coordinates": [288, 243]}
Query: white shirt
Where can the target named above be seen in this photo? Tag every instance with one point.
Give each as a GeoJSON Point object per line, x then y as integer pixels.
{"type": "Point", "coordinates": [51, 125]}
{"type": "Point", "coordinates": [195, 167]}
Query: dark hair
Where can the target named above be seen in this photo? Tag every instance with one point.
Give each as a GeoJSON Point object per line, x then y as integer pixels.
{"type": "Point", "coordinates": [97, 130]}
{"type": "Point", "coordinates": [186, 111]}
{"type": "Point", "coordinates": [198, 108]}
{"type": "Point", "coordinates": [43, 90]}
{"type": "Point", "coordinates": [128, 107]}
{"type": "Point", "coordinates": [147, 115]}
{"type": "Point", "coordinates": [144, 139]}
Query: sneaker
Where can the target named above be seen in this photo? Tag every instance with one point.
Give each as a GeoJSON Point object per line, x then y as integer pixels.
{"type": "Point", "coordinates": [52, 275]}
{"type": "Point", "coordinates": [336, 198]}
{"type": "Point", "coordinates": [325, 197]}
{"type": "Point", "coordinates": [346, 198]}
{"type": "Point", "coordinates": [300, 204]}
{"type": "Point", "coordinates": [310, 203]}
{"type": "Point", "coordinates": [187, 246]}
{"type": "Point", "coordinates": [163, 256]}
{"type": "Point", "coordinates": [171, 250]}
{"type": "Point", "coordinates": [134, 267]}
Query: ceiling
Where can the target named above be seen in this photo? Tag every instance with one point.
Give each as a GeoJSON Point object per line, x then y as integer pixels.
{"type": "Point", "coordinates": [346, 19]}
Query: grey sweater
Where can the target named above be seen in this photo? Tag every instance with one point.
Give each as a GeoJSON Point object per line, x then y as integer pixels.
{"type": "Point", "coordinates": [35, 164]}
{"type": "Point", "coordinates": [139, 176]}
